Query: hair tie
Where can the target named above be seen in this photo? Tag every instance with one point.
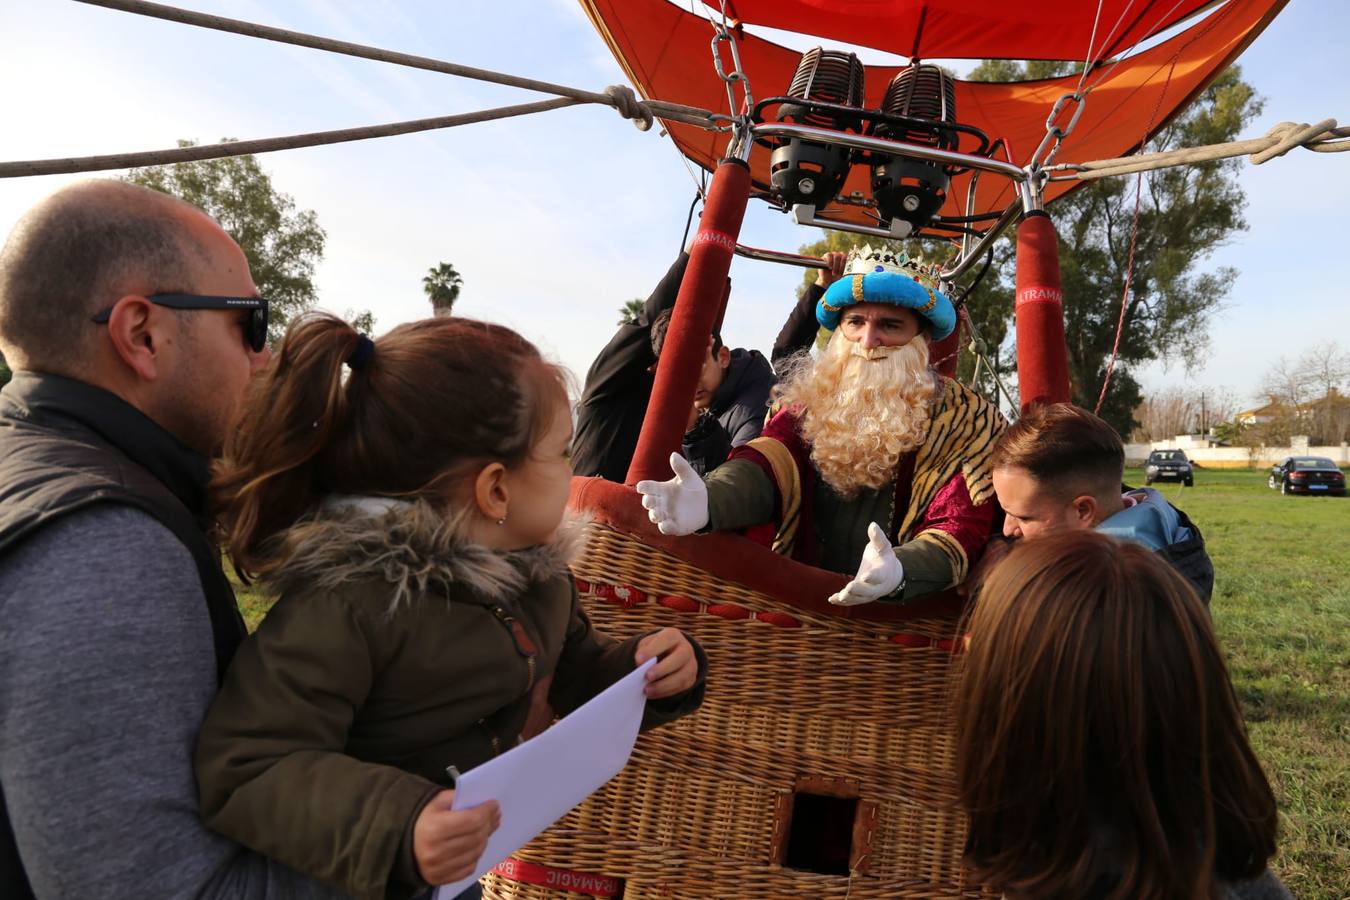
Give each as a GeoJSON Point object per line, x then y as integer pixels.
{"type": "Point", "coordinates": [361, 355]}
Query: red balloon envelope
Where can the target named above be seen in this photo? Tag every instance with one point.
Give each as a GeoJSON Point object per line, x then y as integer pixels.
{"type": "Point", "coordinates": [665, 49]}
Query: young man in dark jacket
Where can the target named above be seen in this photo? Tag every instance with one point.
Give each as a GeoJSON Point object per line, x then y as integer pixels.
{"type": "Point", "coordinates": [728, 409]}
{"type": "Point", "coordinates": [1060, 467]}
{"type": "Point", "coordinates": [115, 617]}
{"type": "Point", "coordinates": [729, 403]}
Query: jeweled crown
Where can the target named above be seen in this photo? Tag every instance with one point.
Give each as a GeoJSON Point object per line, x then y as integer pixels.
{"type": "Point", "coordinates": [866, 260]}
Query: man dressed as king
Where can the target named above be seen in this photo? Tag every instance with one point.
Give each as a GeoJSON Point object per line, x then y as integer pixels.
{"type": "Point", "coordinates": [874, 466]}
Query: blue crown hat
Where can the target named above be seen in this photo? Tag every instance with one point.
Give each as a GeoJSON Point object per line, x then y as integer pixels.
{"type": "Point", "coordinates": [880, 276]}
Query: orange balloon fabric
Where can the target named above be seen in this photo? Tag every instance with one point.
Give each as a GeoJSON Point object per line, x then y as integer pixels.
{"type": "Point", "coordinates": [974, 29]}
{"type": "Point", "coordinates": [665, 49]}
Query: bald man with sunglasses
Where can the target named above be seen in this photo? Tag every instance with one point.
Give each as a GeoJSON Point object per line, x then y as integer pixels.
{"type": "Point", "coordinates": [133, 327]}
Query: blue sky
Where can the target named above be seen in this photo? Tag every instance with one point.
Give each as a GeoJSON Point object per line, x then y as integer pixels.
{"type": "Point", "coordinates": [556, 219]}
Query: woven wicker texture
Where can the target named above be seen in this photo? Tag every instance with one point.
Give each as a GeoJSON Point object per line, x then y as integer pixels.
{"type": "Point", "coordinates": [791, 694]}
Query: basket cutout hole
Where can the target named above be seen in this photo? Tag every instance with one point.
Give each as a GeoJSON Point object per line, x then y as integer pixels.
{"type": "Point", "coordinates": [820, 838]}
{"type": "Point", "coordinates": [824, 827]}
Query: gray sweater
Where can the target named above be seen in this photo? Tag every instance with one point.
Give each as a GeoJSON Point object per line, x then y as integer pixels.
{"type": "Point", "coordinates": [106, 671]}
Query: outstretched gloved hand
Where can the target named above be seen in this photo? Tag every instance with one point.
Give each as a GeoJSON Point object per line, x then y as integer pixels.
{"type": "Point", "coordinates": [680, 505]}
{"type": "Point", "coordinates": [879, 573]}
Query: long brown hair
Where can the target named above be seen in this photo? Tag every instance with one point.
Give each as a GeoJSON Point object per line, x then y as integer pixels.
{"type": "Point", "coordinates": [427, 403]}
{"type": "Point", "coordinates": [1100, 748]}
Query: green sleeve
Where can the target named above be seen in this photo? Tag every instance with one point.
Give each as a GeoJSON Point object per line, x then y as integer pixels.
{"type": "Point", "coordinates": [592, 660]}
{"type": "Point", "coordinates": [270, 762]}
{"type": "Point", "coordinates": [927, 570]}
{"type": "Point", "coordinates": [740, 494]}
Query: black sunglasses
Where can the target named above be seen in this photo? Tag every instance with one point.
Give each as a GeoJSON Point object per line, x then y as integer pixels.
{"type": "Point", "coordinates": [255, 330]}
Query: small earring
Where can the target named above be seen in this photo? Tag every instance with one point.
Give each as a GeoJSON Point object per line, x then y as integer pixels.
{"type": "Point", "coordinates": [502, 520]}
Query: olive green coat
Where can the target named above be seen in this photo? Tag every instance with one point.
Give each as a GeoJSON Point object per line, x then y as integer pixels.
{"type": "Point", "coordinates": [396, 648]}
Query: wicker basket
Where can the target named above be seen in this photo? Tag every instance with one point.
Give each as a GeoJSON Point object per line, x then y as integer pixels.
{"type": "Point", "coordinates": [797, 702]}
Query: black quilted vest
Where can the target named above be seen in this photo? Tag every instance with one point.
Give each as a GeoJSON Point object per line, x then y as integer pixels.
{"type": "Point", "coordinates": [65, 446]}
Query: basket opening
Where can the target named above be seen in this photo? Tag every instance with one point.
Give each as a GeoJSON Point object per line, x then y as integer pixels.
{"type": "Point", "coordinates": [820, 835]}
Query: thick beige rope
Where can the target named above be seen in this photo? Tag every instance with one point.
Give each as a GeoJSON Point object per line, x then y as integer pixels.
{"type": "Point", "coordinates": [1324, 137]}
{"type": "Point", "coordinates": [618, 96]}
{"type": "Point", "coordinates": [197, 152]}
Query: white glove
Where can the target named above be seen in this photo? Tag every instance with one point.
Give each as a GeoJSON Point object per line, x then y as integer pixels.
{"type": "Point", "coordinates": [677, 506]}
{"type": "Point", "coordinates": [879, 573]}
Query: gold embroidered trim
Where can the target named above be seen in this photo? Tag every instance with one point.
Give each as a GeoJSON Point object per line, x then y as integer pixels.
{"type": "Point", "coordinates": [961, 435]}
{"type": "Point", "coordinates": [932, 300]}
{"type": "Point", "coordinates": [952, 549]}
{"type": "Point", "coordinates": [789, 480]}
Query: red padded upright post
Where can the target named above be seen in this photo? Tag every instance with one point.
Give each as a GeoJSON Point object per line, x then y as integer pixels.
{"type": "Point", "coordinates": [722, 308]}
{"type": "Point", "coordinates": [943, 354]}
{"type": "Point", "coordinates": [696, 309]}
{"type": "Point", "coordinates": [1042, 353]}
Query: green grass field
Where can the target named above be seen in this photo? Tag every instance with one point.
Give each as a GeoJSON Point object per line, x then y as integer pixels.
{"type": "Point", "coordinates": [252, 603]}
{"type": "Point", "coordinates": [1282, 608]}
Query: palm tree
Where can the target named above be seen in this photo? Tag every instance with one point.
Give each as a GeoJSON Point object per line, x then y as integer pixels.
{"type": "Point", "coordinates": [629, 312]}
{"type": "Point", "coordinates": [442, 284]}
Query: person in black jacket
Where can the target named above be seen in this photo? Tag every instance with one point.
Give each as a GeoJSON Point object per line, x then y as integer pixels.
{"type": "Point", "coordinates": [728, 408]}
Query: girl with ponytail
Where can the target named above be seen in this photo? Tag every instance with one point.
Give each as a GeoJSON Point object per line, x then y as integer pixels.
{"type": "Point", "coordinates": [404, 499]}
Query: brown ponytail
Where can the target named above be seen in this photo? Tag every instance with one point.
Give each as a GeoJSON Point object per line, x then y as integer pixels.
{"type": "Point", "coordinates": [428, 403]}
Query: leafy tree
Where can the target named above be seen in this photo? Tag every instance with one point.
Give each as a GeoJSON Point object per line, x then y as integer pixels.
{"type": "Point", "coordinates": [5, 373]}
{"type": "Point", "coordinates": [1228, 432]}
{"type": "Point", "coordinates": [1012, 70]}
{"type": "Point", "coordinates": [1185, 213]}
{"type": "Point", "coordinates": [629, 312]}
{"type": "Point", "coordinates": [283, 244]}
{"type": "Point", "coordinates": [442, 284]}
{"type": "Point", "coordinates": [362, 320]}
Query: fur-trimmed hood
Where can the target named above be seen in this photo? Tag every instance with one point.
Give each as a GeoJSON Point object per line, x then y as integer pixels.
{"type": "Point", "coordinates": [413, 547]}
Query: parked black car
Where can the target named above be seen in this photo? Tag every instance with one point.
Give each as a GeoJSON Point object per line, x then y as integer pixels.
{"type": "Point", "coordinates": [1168, 465]}
{"type": "Point", "coordinates": [1307, 475]}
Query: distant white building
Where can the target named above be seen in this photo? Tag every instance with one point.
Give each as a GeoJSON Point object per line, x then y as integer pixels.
{"type": "Point", "coordinates": [1261, 415]}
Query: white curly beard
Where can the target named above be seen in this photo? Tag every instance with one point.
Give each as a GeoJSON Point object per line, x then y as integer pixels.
{"type": "Point", "coordinates": [861, 409]}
